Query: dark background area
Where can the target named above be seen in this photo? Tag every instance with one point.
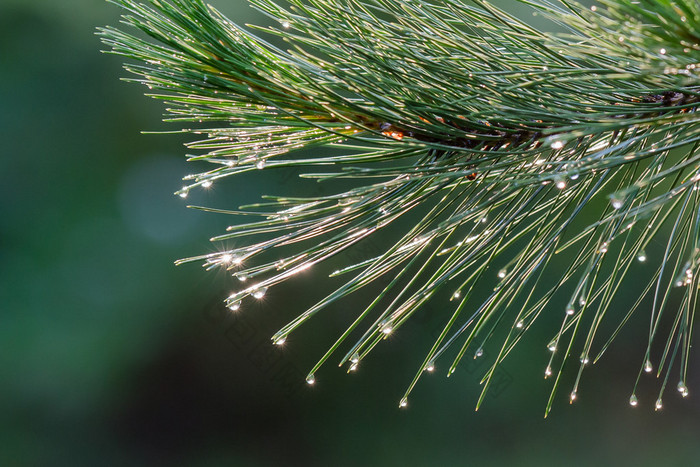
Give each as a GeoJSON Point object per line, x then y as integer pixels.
{"type": "Point", "coordinates": [111, 355]}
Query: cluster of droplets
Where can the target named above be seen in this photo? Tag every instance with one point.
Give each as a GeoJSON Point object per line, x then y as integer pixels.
{"type": "Point", "coordinates": [685, 278]}
{"type": "Point", "coordinates": [354, 362]}
{"type": "Point", "coordinates": [233, 302]}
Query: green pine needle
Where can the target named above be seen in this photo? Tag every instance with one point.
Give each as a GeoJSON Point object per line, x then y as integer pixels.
{"type": "Point", "coordinates": [501, 141]}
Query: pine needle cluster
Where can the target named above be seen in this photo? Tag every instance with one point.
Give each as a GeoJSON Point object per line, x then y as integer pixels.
{"type": "Point", "coordinates": [531, 164]}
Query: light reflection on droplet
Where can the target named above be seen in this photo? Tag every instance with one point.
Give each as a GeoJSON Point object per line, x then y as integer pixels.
{"type": "Point", "coordinates": [226, 258]}
{"type": "Point", "coordinates": [259, 292]}
{"type": "Point", "coordinates": [280, 340]}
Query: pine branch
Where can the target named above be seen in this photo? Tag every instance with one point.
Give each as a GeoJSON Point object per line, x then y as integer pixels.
{"type": "Point", "coordinates": [496, 138]}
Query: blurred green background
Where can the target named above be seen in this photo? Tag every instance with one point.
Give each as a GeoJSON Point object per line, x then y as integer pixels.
{"type": "Point", "coordinates": [113, 356]}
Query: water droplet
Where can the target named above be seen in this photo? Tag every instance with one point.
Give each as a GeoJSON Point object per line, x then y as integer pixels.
{"type": "Point", "coordinates": [259, 292]}
{"type": "Point", "coordinates": [311, 379]}
{"type": "Point", "coordinates": [502, 273]}
{"type": "Point", "coordinates": [235, 306]}
{"type": "Point", "coordinates": [552, 347]}
{"type": "Point", "coordinates": [570, 309]}
{"type": "Point", "coordinates": [557, 144]}
{"type": "Point", "coordinates": [584, 359]}
{"type": "Point", "coordinates": [548, 372]}
{"type": "Point", "coordinates": [658, 404]}
{"type": "Point", "coordinates": [285, 24]}
{"type": "Point", "coordinates": [457, 294]}
{"type": "Point", "coordinates": [604, 247]}
{"type": "Point", "coordinates": [280, 340]}
{"type": "Point", "coordinates": [386, 329]}
{"type": "Point", "coordinates": [572, 397]}
{"type": "Point", "coordinates": [403, 403]}
{"type": "Point", "coordinates": [582, 301]}
{"type": "Point", "coordinates": [560, 184]}
{"type": "Point", "coordinates": [207, 183]}
{"type": "Point", "coordinates": [633, 400]}
{"type": "Point", "coordinates": [241, 277]}
{"type": "Point", "coordinates": [260, 164]}
{"type": "Point", "coordinates": [641, 256]}
{"type": "Point", "coordinates": [479, 352]}
{"type": "Point", "coordinates": [355, 357]}
{"type": "Point", "coordinates": [662, 51]}
{"type": "Point", "coordinates": [616, 203]}
{"type": "Point", "coordinates": [430, 367]}
{"type": "Point", "coordinates": [353, 367]}
{"type": "Point", "coordinates": [648, 367]}
{"type": "Point", "coordinates": [519, 324]}
{"type": "Point", "coordinates": [183, 193]}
